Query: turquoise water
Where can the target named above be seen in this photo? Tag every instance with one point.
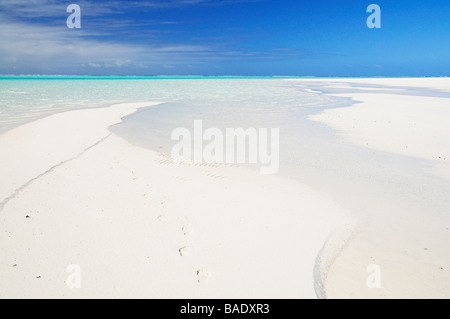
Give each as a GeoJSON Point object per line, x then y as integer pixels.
{"type": "Point", "coordinates": [23, 99]}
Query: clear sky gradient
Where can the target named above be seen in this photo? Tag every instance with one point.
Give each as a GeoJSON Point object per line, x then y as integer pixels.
{"type": "Point", "coordinates": [228, 37]}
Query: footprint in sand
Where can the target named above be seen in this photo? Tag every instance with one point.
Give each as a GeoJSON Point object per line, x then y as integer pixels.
{"type": "Point", "coordinates": [214, 176]}
{"type": "Point", "coordinates": [186, 230]}
{"type": "Point", "coordinates": [162, 209]}
{"type": "Point", "coordinates": [202, 276]}
{"type": "Point", "coordinates": [185, 251]}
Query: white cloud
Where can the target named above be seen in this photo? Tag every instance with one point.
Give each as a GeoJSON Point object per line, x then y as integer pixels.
{"type": "Point", "coordinates": [33, 46]}
{"type": "Point", "coordinates": [95, 65]}
{"type": "Point", "coordinates": [54, 48]}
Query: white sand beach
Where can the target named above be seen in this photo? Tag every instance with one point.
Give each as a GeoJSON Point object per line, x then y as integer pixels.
{"type": "Point", "coordinates": [140, 226]}
{"type": "Point", "coordinates": [409, 241]}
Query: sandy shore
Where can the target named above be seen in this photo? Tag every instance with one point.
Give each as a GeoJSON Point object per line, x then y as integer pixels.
{"type": "Point", "coordinates": [408, 238]}
{"type": "Point", "coordinates": [138, 225]}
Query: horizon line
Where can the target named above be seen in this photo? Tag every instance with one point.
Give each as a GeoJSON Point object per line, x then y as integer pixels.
{"type": "Point", "coordinates": [215, 76]}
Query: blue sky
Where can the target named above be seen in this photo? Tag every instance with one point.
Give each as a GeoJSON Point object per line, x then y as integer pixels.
{"type": "Point", "coordinates": [228, 37]}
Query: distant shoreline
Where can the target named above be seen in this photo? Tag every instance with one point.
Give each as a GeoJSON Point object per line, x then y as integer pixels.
{"type": "Point", "coordinates": [194, 77]}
